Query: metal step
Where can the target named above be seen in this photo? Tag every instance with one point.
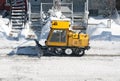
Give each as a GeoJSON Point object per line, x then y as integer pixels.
{"type": "Point", "coordinates": [18, 4]}
{"type": "Point", "coordinates": [17, 29]}
{"type": "Point", "coordinates": [18, 8]}
{"type": "Point", "coordinates": [78, 17]}
{"type": "Point", "coordinates": [18, 14]}
{"type": "Point", "coordinates": [17, 21]}
{"type": "Point", "coordinates": [35, 15]}
{"type": "Point", "coordinates": [78, 28]}
{"type": "Point", "coordinates": [18, 17]}
{"type": "Point", "coordinates": [17, 1]}
{"type": "Point", "coordinates": [77, 20]}
{"type": "Point", "coordinates": [16, 24]}
{"type": "Point", "coordinates": [18, 11]}
{"type": "Point", "coordinates": [35, 24]}
{"type": "Point", "coordinates": [35, 20]}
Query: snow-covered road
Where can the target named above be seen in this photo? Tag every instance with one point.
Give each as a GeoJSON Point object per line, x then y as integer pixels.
{"type": "Point", "coordinates": [87, 68]}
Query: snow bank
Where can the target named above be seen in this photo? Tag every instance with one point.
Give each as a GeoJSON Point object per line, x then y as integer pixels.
{"type": "Point", "coordinates": [97, 20]}
{"type": "Point", "coordinates": [4, 29]}
{"type": "Point", "coordinates": [104, 40]}
{"type": "Point", "coordinates": [99, 30]}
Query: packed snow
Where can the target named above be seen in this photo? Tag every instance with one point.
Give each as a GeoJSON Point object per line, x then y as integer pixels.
{"type": "Point", "coordinates": [92, 68]}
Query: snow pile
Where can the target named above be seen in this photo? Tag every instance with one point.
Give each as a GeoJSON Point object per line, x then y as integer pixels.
{"type": "Point", "coordinates": [104, 40]}
{"type": "Point", "coordinates": [4, 29]}
{"type": "Point", "coordinates": [99, 30]}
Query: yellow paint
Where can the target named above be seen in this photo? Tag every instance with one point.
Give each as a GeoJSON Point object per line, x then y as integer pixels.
{"type": "Point", "coordinates": [60, 24]}
{"type": "Point", "coordinates": [56, 44]}
{"type": "Point", "coordinates": [75, 36]}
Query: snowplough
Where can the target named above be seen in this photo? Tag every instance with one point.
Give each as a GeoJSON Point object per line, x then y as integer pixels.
{"type": "Point", "coordinates": [61, 40]}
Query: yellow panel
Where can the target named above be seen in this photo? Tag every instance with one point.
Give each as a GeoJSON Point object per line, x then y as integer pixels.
{"type": "Point", "coordinates": [75, 42]}
{"type": "Point", "coordinates": [60, 24]}
{"type": "Point", "coordinates": [78, 40]}
{"type": "Point", "coordinates": [84, 40]}
{"type": "Point", "coordinates": [75, 36]}
{"type": "Point", "coordinates": [56, 44]}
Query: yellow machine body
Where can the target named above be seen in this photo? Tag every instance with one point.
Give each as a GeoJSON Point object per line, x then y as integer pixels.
{"type": "Point", "coordinates": [61, 36]}
{"type": "Point", "coordinates": [60, 24]}
{"type": "Point", "coordinates": [78, 40]}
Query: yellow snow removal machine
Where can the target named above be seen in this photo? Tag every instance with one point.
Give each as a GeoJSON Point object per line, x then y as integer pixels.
{"type": "Point", "coordinates": [61, 40]}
